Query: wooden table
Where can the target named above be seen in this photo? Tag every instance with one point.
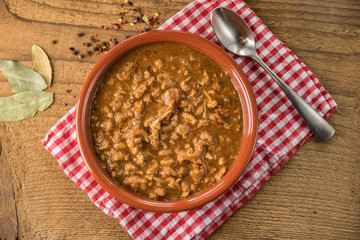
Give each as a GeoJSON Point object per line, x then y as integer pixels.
{"type": "Point", "coordinates": [315, 195]}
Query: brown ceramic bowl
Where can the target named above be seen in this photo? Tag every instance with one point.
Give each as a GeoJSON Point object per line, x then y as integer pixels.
{"type": "Point", "coordinates": [249, 109]}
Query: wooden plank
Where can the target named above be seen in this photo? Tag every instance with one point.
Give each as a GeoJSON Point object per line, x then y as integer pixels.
{"type": "Point", "coordinates": [8, 215]}
{"type": "Point", "coordinates": [314, 196]}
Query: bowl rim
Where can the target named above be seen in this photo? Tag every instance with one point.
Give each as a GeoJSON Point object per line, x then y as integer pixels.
{"type": "Point", "coordinates": [242, 85]}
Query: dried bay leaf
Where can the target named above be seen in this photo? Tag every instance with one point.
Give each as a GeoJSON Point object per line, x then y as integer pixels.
{"type": "Point", "coordinates": [24, 104]}
{"type": "Point", "coordinates": [21, 77]}
{"type": "Point", "coordinates": [42, 63]}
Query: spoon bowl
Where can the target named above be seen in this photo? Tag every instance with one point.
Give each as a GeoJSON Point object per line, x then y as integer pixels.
{"type": "Point", "coordinates": [236, 36]}
{"type": "Point", "coordinates": [238, 39]}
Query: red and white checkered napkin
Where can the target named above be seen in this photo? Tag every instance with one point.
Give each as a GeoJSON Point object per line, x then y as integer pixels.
{"type": "Point", "coordinates": [281, 132]}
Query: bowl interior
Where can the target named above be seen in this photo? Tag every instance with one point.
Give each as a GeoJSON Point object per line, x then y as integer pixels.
{"type": "Point", "coordinates": [246, 96]}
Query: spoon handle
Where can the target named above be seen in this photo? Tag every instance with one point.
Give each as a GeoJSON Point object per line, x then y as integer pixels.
{"type": "Point", "coordinates": [318, 125]}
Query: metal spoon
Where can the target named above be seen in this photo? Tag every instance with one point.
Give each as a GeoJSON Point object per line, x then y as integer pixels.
{"type": "Point", "coordinates": [237, 37]}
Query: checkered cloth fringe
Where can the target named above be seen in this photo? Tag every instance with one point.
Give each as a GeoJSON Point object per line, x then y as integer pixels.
{"type": "Point", "coordinates": [281, 132]}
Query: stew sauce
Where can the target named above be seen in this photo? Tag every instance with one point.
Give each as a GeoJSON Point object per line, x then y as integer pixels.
{"type": "Point", "coordinates": [166, 122]}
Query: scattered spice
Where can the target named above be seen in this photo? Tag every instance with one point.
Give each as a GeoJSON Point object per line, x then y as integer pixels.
{"type": "Point", "coordinates": [117, 26]}
{"type": "Point", "coordinates": [69, 91]}
{"type": "Point", "coordinates": [128, 16]}
{"type": "Point", "coordinates": [136, 20]}
{"type": "Point", "coordinates": [54, 41]}
{"type": "Point", "coordinates": [93, 39]}
{"type": "Point", "coordinates": [65, 104]}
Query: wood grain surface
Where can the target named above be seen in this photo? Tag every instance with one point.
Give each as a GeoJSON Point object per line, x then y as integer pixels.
{"type": "Point", "coordinates": [8, 216]}
{"type": "Point", "coordinates": [316, 195]}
